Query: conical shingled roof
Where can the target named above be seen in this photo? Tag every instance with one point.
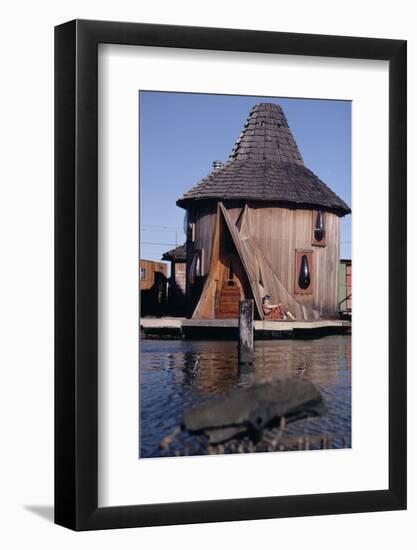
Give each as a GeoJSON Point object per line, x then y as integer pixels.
{"type": "Point", "coordinates": [266, 165]}
{"type": "Point", "coordinates": [266, 136]}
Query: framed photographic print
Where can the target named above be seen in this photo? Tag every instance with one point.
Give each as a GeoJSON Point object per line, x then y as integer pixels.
{"type": "Point", "coordinates": [230, 275]}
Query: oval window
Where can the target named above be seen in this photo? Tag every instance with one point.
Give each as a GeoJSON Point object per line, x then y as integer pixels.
{"type": "Point", "coordinates": [185, 226]}
{"type": "Point", "coordinates": [188, 225]}
{"type": "Point", "coordinates": [304, 275]}
{"type": "Point", "coordinates": [195, 267]}
{"type": "Point", "coordinates": [319, 227]}
{"type": "Point", "coordinates": [198, 266]}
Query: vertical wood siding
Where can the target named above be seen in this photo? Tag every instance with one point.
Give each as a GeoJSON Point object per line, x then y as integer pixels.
{"type": "Point", "coordinates": [279, 232]}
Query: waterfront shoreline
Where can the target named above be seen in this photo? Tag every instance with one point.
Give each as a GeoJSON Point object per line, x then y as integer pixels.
{"type": "Point", "coordinates": [227, 329]}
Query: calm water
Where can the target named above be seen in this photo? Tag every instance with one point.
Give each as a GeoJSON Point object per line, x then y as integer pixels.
{"type": "Point", "coordinates": [175, 374]}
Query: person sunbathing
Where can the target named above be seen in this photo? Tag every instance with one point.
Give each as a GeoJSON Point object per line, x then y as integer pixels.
{"type": "Point", "coordinates": [275, 312]}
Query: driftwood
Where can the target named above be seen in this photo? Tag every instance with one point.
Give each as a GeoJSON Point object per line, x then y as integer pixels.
{"type": "Point", "coordinates": [247, 411]}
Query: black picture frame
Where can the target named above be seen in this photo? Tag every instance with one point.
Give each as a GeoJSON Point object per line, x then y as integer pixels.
{"type": "Point", "coordinates": [76, 272]}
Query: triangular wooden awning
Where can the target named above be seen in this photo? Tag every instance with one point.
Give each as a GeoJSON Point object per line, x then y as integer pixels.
{"type": "Point", "coordinates": [262, 279]}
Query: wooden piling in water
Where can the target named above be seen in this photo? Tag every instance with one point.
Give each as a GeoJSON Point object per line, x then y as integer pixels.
{"type": "Point", "coordinates": [246, 331]}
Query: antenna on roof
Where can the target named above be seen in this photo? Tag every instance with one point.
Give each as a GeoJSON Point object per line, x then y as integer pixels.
{"type": "Point", "coordinates": [217, 164]}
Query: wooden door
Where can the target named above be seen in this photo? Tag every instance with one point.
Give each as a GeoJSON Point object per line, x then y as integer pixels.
{"type": "Point", "coordinates": [228, 300]}
{"type": "Point", "coordinates": [230, 293]}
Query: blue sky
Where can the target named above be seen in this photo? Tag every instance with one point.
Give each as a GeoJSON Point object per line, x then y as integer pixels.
{"type": "Point", "coordinates": [182, 134]}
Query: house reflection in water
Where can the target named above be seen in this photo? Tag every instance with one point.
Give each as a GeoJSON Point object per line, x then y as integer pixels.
{"type": "Point", "coordinates": [179, 374]}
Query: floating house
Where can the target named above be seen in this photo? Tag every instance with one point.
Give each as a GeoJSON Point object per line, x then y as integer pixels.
{"type": "Point", "coordinates": [345, 288]}
{"type": "Point", "coordinates": [263, 223]}
{"type": "Point", "coordinates": [177, 281]}
{"type": "Point", "coordinates": [153, 287]}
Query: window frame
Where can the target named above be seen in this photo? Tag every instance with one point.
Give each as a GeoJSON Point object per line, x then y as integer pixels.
{"type": "Point", "coordinates": [299, 253]}
{"type": "Point", "coordinates": [314, 241]}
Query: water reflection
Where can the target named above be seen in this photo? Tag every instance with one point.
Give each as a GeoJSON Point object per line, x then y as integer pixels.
{"type": "Point", "coordinates": [176, 374]}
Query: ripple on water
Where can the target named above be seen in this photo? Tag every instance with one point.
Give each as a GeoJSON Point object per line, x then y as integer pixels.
{"type": "Point", "coordinates": [175, 374]}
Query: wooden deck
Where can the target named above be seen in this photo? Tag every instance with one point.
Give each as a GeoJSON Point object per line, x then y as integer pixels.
{"type": "Point", "coordinates": [205, 329]}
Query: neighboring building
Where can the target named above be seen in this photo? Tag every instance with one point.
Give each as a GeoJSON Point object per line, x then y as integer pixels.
{"type": "Point", "coordinates": [153, 287]}
{"type": "Point", "coordinates": [345, 288]}
{"type": "Point", "coordinates": [263, 223]}
{"type": "Point", "coordinates": [176, 283]}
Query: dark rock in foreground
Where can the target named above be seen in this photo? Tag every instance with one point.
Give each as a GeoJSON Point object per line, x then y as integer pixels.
{"type": "Point", "coordinates": [247, 411]}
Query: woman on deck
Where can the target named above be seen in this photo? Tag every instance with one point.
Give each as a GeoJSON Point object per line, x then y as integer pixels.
{"type": "Point", "coordinates": [275, 312]}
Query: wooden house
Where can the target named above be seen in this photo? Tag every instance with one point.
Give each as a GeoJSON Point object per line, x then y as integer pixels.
{"type": "Point", "coordinates": [177, 280]}
{"type": "Point", "coordinates": [153, 287]}
{"type": "Point", "coordinates": [263, 223]}
{"type": "Point", "coordinates": [345, 288]}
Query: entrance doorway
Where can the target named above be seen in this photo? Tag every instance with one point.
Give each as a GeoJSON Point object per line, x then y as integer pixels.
{"type": "Point", "coordinates": [230, 294]}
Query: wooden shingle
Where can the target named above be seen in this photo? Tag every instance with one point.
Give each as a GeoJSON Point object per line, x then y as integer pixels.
{"type": "Point", "coordinates": [178, 254]}
{"type": "Point", "coordinates": [266, 164]}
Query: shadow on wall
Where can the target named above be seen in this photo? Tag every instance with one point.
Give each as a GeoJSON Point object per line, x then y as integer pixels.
{"type": "Point", "coordinates": [176, 305]}
{"type": "Point", "coordinates": [153, 300]}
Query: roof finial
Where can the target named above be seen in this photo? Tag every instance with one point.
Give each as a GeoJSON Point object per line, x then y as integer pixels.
{"type": "Point", "coordinates": [217, 164]}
